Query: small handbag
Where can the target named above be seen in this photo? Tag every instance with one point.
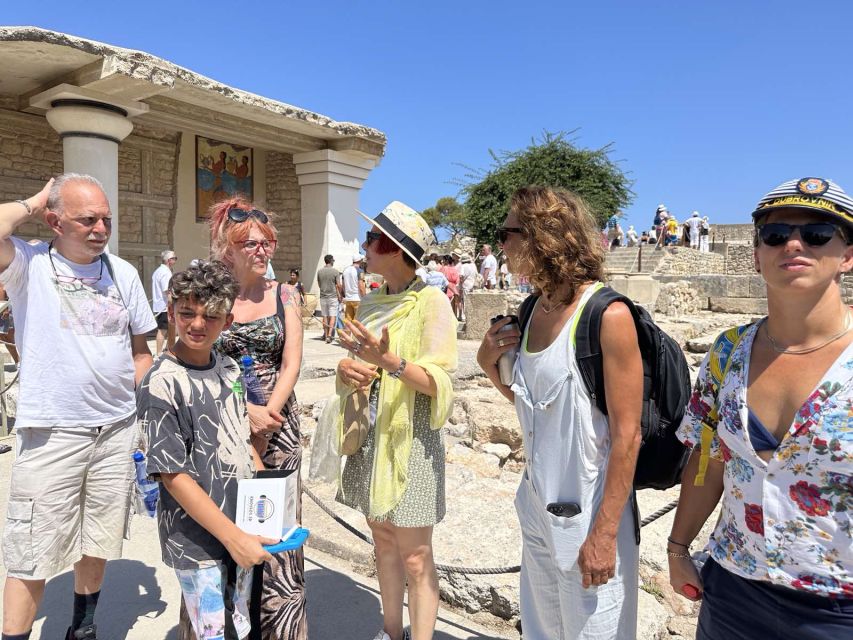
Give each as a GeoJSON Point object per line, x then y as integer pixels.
{"type": "Point", "coordinates": [356, 421]}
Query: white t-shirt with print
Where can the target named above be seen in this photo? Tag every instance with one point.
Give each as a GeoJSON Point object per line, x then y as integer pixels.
{"type": "Point", "coordinates": [350, 279]}
{"type": "Point", "coordinates": [76, 363]}
{"type": "Point", "coordinates": [159, 283]}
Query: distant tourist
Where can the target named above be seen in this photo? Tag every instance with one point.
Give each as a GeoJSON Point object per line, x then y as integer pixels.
{"type": "Point", "coordinates": [771, 433]}
{"type": "Point", "coordinates": [296, 283]}
{"type": "Point", "coordinates": [633, 239]}
{"type": "Point", "coordinates": [435, 278]}
{"type": "Point", "coordinates": [488, 267]}
{"type": "Point", "coordinates": [467, 281]}
{"type": "Point", "coordinates": [506, 276]}
{"type": "Point", "coordinates": [671, 230]}
{"type": "Point", "coordinates": [644, 237]}
{"type": "Point", "coordinates": [329, 282]}
{"type": "Point", "coordinates": [659, 224]}
{"type": "Point", "coordinates": [353, 286]}
{"type": "Point", "coordinates": [450, 269]}
{"type": "Point", "coordinates": [159, 285]}
{"type": "Point", "coordinates": [694, 226]}
{"type": "Point", "coordinates": [614, 234]}
{"type": "Point", "coordinates": [579, 559]}
{"type": "Point", "coordinates": [399, 397]}
{"type": "Point", "coordinates": [704, 234]}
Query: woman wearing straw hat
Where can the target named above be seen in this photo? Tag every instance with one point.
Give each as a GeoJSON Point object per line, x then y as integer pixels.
{"type": "Point", "coordinates": [771, 427]}
{"type": "Point", "coordinates": [403, 348]}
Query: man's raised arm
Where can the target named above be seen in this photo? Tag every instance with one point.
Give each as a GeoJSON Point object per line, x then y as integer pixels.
{"type": "Point", "coordinates": [13, 214]}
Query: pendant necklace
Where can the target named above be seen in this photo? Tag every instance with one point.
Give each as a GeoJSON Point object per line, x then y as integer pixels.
{"type": "Point", "coordinates": [798, 352]}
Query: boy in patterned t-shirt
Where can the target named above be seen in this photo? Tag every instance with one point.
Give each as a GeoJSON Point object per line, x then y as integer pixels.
{"type": "Point", "coordinates": [198, 449]}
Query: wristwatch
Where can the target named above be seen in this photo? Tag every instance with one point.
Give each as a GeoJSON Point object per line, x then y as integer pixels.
{"type": "Point", "coordinates": [396, 374]}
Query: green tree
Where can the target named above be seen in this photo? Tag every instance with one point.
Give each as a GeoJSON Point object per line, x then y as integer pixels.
{"type": "Point", "coordinates": [447, 214]}
{"type": "Point", "coordinates": [553, 161]}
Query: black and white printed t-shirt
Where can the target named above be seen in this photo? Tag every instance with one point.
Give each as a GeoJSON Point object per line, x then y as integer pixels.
{"type": "Point", "coordinates": [196, 425]}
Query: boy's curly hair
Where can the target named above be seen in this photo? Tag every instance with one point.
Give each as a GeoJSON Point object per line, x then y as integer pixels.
{"type": "Point", "coordinates": [561, 241]}
{"type": "Point", "coordinates": [208, 283]}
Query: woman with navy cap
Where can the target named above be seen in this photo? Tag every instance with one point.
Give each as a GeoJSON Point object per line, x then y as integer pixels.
{"type": "Point", "coordinates": [771, 427]}
{"type": "Point", "coordinates": [403, 353]}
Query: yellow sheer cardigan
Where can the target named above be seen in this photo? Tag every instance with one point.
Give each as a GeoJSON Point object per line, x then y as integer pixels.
{"type": "Point", "coordinates": [422, 329]}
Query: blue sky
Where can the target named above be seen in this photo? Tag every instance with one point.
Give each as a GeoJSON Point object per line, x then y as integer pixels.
{"type": "Point", "coordinates": [708, 105]}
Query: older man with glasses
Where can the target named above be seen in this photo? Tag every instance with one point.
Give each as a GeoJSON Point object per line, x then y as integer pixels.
{"type": "Point", "coordinates": [82, 319]}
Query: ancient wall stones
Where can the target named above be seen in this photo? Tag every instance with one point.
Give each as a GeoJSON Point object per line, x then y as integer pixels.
{"type": "Point", "coordinates": [283, 199]}
{"type": "Point", "coordinates": [739, 259]}
{"type": "Point", "coordinates": [683, 260]}
{"type": "Point", "coordinates": [679, 299]}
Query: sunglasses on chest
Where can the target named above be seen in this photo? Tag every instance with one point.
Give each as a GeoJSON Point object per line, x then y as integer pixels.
{"type": "Point", "coordinates": [814, 234]}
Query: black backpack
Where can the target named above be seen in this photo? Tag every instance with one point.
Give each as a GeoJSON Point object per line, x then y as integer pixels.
{"type": "Point", "coordinates": [666, 385]}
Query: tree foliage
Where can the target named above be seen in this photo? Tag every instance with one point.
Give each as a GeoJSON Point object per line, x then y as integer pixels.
{"type": "Point", "coordinates": [553, 161]}
{"type": "Point", "coordinates": [447, 214]}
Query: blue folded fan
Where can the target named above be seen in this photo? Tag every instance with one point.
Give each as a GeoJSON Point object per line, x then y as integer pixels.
{"type": "Point", "coordinates": [294, 540]}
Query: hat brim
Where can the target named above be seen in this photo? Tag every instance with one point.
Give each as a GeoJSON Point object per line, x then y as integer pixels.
{"type": "Point", "coordinates": [758, 214]}
{"type": "Point", "coordinates": [389, 231]}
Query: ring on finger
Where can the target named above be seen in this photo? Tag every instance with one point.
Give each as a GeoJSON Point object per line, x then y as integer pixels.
{"type": "Point", "coordinates": [500, 343]}
{"type": "Point", "coordinates": [357, 347]}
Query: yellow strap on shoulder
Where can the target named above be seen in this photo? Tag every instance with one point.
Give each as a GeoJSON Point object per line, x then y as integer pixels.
{"type": "Point", "coordinates": [704, 454]}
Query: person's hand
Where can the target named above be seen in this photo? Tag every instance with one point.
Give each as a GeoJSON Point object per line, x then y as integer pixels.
{"type": "Point", "coordinates": [364, 344]}
{"type": "Point", "coordinates": [683, 575]}
{"type": "Point", "coordinates": [356, 374]}
{"type": "Point", "coordinates": [38, 202]}
{"type": "Point", "coordinates": [246, 549]}
{"type": "Point", "coordinates": [495, 344]}
{"type": "Point", "coordinates": [597, 559]}
{"type": "Point", "coordinates": [263, 421]}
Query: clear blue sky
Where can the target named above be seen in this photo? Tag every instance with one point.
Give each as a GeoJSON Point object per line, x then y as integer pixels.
{"type": "Point", "coordinates": [709, 105]}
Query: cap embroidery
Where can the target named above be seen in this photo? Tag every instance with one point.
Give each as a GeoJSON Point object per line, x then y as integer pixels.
{"type": "Point", "coordinates": [812, 186]}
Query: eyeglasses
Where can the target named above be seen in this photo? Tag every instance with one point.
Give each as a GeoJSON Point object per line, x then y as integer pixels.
{"type": "Point", "coordinates": [253, 246]}
{"type": "Point", "coordinates": [72, 279]}
{"type": "Point", "coordinates": [236, 214]}
{"type": "Point", "coordinates": [504, 232]}
{"type": "Point", "coordinates": [814, 234]}
{"type": "Point", "coordinates": [373, 236]}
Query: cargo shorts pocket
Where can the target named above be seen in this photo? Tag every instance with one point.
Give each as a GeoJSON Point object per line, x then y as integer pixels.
{"type": "Point", "coordinates": [18, 536]}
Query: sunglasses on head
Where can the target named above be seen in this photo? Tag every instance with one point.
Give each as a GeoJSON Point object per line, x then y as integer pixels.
{"type": "Point", "coordinates": [504, 232]}
{"type": "Point", "coordinates": [236, 214]}
{"type": "Point", "coordinates": [373, 235]}
{"type": "Point", "coordinates": [814, 234]}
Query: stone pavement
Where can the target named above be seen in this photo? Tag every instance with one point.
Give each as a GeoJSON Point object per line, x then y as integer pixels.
{"type": "Point", "coordinates": [140, 598]}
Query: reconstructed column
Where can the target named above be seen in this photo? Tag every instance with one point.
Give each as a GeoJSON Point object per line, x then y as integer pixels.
{"type": "Point", "coordinates": [330, 182]}
{"type": "Point", "coordinates": [91, 129]}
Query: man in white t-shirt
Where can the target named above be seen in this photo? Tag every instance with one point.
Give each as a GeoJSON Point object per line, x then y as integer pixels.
{"type": "Point", "coordinates": [353, 283]}
{"type": "Point", "coordinates": [694, 225]}
{"type": "Point", "coordinates": [81, 322]}
{"type": "Point", "coordinates": [489, 267]}
{"type": "Point", "coordinates": [159, 285]}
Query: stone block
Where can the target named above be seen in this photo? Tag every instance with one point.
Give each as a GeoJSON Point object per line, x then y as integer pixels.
{"type": "Point", "coordinates": [480, 308]}
{"type": "Point", "coordinates": [755, 306]}
{"type": "Point", "coordinates": [757, 287]}
{"type": "Point", "coordinates": [737, 286]}
{"type": "Point", "coordinates": [640, 288]}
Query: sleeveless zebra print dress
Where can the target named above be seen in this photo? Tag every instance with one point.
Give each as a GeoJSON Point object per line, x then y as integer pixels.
{"type": "Point", "coordinates": [278, 593]}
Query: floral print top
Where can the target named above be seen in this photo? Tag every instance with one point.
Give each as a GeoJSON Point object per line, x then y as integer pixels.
{"type": "Point", "coordinates": [786, 521]}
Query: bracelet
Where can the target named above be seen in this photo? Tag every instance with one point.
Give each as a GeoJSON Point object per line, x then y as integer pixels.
{"type": "Point", "coordinates": [678, 554]}
{"type": "Point", "coordinates": [396, 374]}
{"type": "Point", "coordinates": [677, 544]}
{"type": "Point", "coordinates": [26, 206]}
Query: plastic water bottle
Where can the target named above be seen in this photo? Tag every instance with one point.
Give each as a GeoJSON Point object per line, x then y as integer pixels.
{"type": "Point", "coordinates": [254, 390]}
{"type": "Point", "coordinates": [148, 491]}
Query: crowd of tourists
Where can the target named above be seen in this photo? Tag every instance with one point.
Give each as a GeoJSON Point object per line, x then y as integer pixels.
{"type": "Point", "coordinates": [769, 431]}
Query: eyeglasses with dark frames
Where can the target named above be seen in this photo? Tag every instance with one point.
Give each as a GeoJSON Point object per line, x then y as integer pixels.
{"type": "Point", "coordinates": [372, 236]}
{"type": "Point", "coordinates": [254, 246]}
{"type": "Point", "coordinates": [63, 279]}
{"type": "Point", "coordinates": [236, 214]}
{"type": "Point", "coordinates": [503, 232]}
{"type": "Point", "coordinates": [814, 234]}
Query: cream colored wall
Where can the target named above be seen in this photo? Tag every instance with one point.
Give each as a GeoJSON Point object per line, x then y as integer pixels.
{"type": "Point", "coordinates": [192, 239]}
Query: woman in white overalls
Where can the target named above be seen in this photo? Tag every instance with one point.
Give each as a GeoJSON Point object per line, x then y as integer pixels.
{"type": "Point", "coordinates": [579, 559]}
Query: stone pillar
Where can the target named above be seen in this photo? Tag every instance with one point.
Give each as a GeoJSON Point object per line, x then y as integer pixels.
{"type": "Point", "coordinates": [330, 182]}
{"type": "Point", "coordinates": [91, 127]}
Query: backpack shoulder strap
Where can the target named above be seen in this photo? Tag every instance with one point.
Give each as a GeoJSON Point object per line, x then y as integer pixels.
{"type": "Point", "coordinates": [109, 265]}
{"type": "Point", "coordinates": [525, 311]}
{"type": "Point", "coordinates": [719, 363]}
{"type": "Point", "coordinates": [586, 338]}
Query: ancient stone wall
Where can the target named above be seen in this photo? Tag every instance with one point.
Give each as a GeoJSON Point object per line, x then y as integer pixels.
{"type": "Point", "coordinates": [683, 260]}
{"type": "Point", "coordinates": [678, 299]}
{"type": "Point", "coordinates": [283, 199]}
{"type": "Point", "coordinates": [739, 259]}
{"type": "Point", "coordinates": [730, 233]}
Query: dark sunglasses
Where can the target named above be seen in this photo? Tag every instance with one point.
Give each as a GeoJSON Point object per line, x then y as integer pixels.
{"type": "Point", "coordinates": [372, 236]}
{"type": "Point", "coordinates": [503, 232]}
{"type": "Point", "coordinates": [236, 214]}
{"type": "Point", "coordinates": [814, 234]}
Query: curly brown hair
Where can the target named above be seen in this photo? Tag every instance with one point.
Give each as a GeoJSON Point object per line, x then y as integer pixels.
{"type": "Point", "coordinates": [561, 242]}
{"type": "Point", "coordinates": [209, 283]}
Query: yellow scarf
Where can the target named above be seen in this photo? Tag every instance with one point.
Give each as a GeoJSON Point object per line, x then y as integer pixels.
{"type": "Point", "coordinates": [422, 329]}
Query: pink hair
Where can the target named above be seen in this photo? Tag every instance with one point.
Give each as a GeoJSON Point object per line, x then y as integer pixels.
{"type": "Point", "coordinates": [224, 231]}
